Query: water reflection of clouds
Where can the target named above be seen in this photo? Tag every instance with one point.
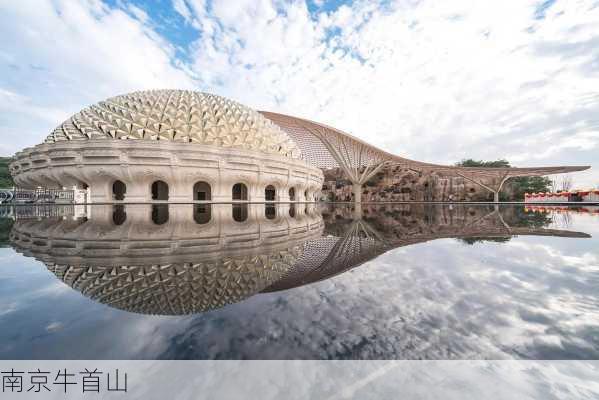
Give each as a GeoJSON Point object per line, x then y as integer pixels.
{"type": "Point", "coordinates": [433, 302]}
{"type": "Point", "coordinates": [530, 297]}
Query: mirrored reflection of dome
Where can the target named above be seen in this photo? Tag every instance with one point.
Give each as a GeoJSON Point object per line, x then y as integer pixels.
{"type": "Point", "coordinates": [179, 259]}
{"type": "Point", "coordinates": [179, 266]}
{"type": "Point", "coordinates": [178, 288]}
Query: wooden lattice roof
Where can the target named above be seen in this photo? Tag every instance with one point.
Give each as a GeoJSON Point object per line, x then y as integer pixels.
{"type": "Point", "coordinates": [327, 147]}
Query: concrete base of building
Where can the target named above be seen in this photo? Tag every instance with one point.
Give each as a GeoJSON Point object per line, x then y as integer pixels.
{"type": "Point", "coordinates": [144, 171]}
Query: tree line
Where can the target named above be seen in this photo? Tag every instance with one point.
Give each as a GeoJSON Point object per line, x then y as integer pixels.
{"type": "Point", "coordinates": [5, 178]}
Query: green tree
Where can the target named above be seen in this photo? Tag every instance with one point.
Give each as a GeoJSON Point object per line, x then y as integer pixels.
{"type": "Point", "coordinates": [529, 184]}
{"type": "Point", "coordinates": [485, 164]}
{"type": "Point", "coordinates": [5, 178]}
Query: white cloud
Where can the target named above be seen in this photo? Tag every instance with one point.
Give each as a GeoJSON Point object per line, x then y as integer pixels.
{"type": "Point", "coordinates": [435, 81]}
{"type": "Point", "coordinates": [432, 81]}
{"type": "Point", "coordinates": [54, 326]}
{"type": "Point", "coordinates": [61, 56]}
{"type": "Point", "coordinates": [181, 7]}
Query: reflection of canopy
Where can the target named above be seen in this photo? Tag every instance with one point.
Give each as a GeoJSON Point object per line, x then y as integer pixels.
{"type": "Point", "coordinates": [327, 147]}
{"type": "Point", "coordinates": [185, 267]}
{"type": "Point", "coordinates": [359, 241]}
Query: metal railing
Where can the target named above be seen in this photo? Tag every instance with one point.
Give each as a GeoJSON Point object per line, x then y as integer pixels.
{"type": "Point", "coordinates": [6, 195]}
{"type": "Point", "coordinates": [40, 195]}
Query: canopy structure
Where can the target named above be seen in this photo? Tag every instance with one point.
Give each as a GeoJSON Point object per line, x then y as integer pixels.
{"type": "Point", "coordinates": [361, 241]}
{"type": "Point", "coordinates": [327, 147]}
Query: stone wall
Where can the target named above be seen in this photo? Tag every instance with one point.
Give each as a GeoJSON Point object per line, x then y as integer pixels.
{"type": "Point", "coordinates": [400, 184]}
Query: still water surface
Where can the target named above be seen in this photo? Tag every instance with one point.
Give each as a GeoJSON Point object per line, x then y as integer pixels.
{"type": "Point", "coordinates": [299, 282]}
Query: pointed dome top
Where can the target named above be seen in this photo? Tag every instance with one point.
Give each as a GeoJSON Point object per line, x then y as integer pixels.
{"type": "Point", "coordinates": [180, 116]}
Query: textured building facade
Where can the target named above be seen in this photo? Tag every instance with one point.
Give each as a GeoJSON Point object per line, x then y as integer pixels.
{"type": "Point", "coordinates": [170, 145]}
{"type": "Point", "coordinates": [184, 146]}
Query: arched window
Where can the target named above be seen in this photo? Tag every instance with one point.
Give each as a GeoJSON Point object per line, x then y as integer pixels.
{"type": "Point", "coordinates": [306, 195]}
{"type": "Point", "coordinates": [270, 193]}
{"type": "Point", "coordinates": [270, 211]}
{"type": "Point", "coordinates": [239, 192]}
{"type": "Point", "coordinates": [118, 190]}
{"type": "Point", "coordinates": [119, 216]}
{"type": "Point", "coordinates": [202, 191]}
{"type": "Point", "coordinates": [292, 211]}
{"type": "Point", "coordinates": [240, 212]}
{"type": "Point", "coordinates": [291, 194]}
{"type": "Point", "coordinates": [159, 190]}
{"type": "Point", "coordinates": [160, 214]}
{"type": "Point", "coordinates": [202, 213]}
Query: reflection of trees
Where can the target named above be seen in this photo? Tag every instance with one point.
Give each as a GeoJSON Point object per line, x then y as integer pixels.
{"type": "Point", "coordinates": [563, 220]}
{"type": "Point", "coordinates": [530, 219]}
{"type": "Point", "coordinates": [5, 227]}
{"type": "Point", "coordinates": [475, 239]}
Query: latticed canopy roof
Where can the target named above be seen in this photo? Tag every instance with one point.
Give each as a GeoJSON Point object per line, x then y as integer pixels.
{"type": "Point", "coordinates": [196, 117]}
{"type": "Point", "coordinates": [327, 147]}
{"type": "Point", "coordinates": [180, 116]}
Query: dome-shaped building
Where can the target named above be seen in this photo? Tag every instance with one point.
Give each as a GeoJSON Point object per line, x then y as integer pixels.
{"type": "Point", "coordinates": [173, 145]}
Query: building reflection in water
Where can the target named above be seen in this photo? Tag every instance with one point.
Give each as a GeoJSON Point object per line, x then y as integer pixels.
{"type": "Point", "coordinates": [202, 213]}
{"type": "Point", "coordinates": [240, 212]}
{"type": "Point", "coordinates": [119, 215]}
{"type": "Point", "coordinates": [160, 213]}
{"type": "Point", "coordinates": [181, 259]}
{"type": "Point", "coordinates": [270, 211]}
{"type": "Point", "coordinates": [292, 210]}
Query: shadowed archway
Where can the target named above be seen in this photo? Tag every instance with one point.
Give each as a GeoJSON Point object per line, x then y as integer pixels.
{"type": "Point", "coordinates": [160, 190]}
{"type": "Point", "coordinates": [119, 189]}
{"type": "Point", "coordinates": [202, 191]}
{"type": "Point", "coordinates": [239, 192]}
{"type": "Point", "coordinates": [270, 193]}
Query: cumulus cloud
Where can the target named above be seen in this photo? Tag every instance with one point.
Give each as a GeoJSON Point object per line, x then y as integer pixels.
{"type": "Point", "coordinates": [434, 81]}
{"type": "Point", "coordinates": [58, 57]}
{"type": "Point", "coordinates": [433, 301]}
{"type": "Point", "coordinates": [428, 80]}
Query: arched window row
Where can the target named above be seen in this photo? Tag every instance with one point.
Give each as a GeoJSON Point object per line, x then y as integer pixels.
{"type": "Point", "coordinates": [202, 213]}
{"type": "Point", "coordinates": [202, 191]}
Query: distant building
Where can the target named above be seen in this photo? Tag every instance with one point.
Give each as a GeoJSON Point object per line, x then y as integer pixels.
{"type": "Point", "coordinates": [583, 196]}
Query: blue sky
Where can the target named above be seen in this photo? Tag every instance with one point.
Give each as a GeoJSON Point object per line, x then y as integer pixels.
{"type": "Point", "coordinates": [432, 80]}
